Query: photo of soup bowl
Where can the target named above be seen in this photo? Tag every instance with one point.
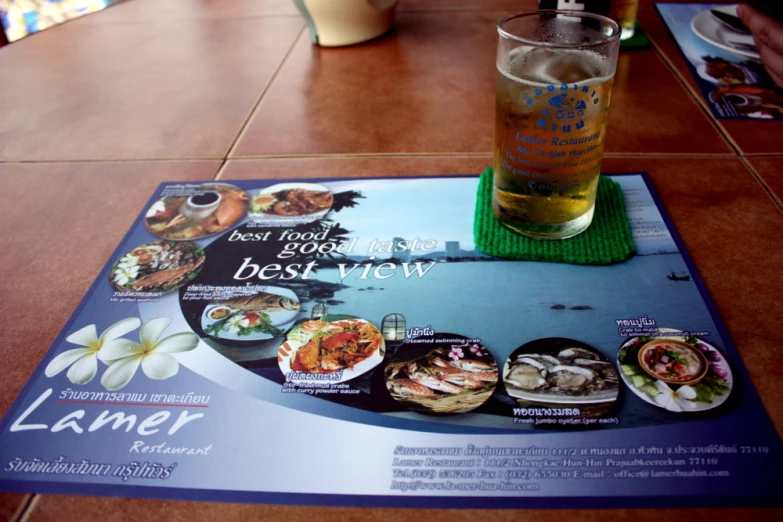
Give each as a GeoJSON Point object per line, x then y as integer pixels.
{"type": "Point", "coordinates": [673, 362]}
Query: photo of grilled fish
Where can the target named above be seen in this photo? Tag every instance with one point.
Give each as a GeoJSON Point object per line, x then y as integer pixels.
{"type": "Point", "coordinates": [261, 302]}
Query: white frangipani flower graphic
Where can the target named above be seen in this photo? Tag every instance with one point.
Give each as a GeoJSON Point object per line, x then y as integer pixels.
{"type": "Point", "coordinates": [235, 322]}
{"type": "Point", "coordinates": [84, 361]}
{"type": "Point", "coordinates": [124, 274]}
{"type": "Point", "coordinates": [152, 355]}
{"type": "Point", "coordinates": [675, 401]}
{"type": "Point", "coordinates": [158, 206]}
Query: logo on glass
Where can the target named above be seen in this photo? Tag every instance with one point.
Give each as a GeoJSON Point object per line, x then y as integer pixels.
{"type": "Point", "coordinates": [565, 111]}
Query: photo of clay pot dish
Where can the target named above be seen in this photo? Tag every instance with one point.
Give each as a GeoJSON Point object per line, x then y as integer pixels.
{"type": "Point", "coordinates": [211, 209]}
{"type": "Point", "coordinates": [159, 266]}
{"type": "Point", "coordinates": [679, 373]}
{"type": "Point", "coordinates": [450, 377]}
{"type": "Point", "coordinates": [559, 371]}
{"type": "Point", "coordinates": [251, 317]}
{"type": "Point", "coordinates": [290, 203]}
{"type": "Point", "coordinates": [348, 347]}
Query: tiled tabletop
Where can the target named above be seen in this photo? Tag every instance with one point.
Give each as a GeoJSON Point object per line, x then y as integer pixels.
{"type": "Point", "coordinates": [95, 113]}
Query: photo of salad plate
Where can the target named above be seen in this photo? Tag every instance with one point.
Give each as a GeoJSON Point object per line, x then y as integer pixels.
{"type": "Point", "coordinates": [344, 349]}
{"type": "Point", "coordinates": [676, 372]}
{"type": "Point", "coordinates": [290, 204]}
{"type": "Point", "coordinates": [252, 317]}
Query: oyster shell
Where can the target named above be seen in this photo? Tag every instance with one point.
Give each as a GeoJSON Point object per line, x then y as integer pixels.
{"type": "Point", "coordinates": [526, 377]}
{"type": "Point", "coordinates": [547, 360]}
{"type": "Point", "coordinates": [571, 353]}
{"type": "Point", "coordinates": [570, 378]}
{"type": "Point", "coordinates": [604, 369]}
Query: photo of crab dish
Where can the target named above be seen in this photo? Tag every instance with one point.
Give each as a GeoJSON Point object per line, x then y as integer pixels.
{"type": "Point", "coordinates": [451, 378]}
{"type": "Point", "coordinates": [261, 315]}
{"type": "Point", "coordinates": [159, 266]}
{"type": "Point", "coordinates": [212, 209]}
{"type": "Point", "coordinates": [287, 202]}
{"type": "Point", "coordinates": [560, 371]}
{"type": "Point", "coordinates": [676, 372]}
{"type": "Point", "coordinates": [350, 347]}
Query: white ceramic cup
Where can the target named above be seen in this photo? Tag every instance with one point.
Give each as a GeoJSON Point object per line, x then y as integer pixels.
{"type": "Point", "coordinates": [333, 23]}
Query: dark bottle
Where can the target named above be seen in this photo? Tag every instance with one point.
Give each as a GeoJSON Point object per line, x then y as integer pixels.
{"type": "Point", "coordinates": [594, 6]}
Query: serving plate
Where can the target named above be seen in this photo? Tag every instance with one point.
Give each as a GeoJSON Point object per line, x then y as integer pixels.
{"type": "Point", "coordinates": [268, 217]}
{"type": "Point", "coordinates": [715, 32]}
{"type": "Point", "coordinates": [283, 320]}
{"type": "Point", "coordinates": [713, 355]}
{"type": "Point", "coordinates": [299, 336]}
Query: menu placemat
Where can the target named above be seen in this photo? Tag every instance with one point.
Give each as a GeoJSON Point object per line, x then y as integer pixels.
{"type": "Point", "coordinates": [342, 342]}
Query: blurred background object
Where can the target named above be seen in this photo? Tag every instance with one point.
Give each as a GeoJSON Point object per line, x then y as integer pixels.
{"type": "Point", "coordinates": [20, 18]}
{"type": "Point", "coordinates": [334, 23]}
{"type": "Point", "coordinates": [624, 13]}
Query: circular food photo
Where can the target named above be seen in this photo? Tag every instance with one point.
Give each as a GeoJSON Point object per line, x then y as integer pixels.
{"type": "Point", "coordinates": [160, 266]}
{"type": "Point", "coordinates": [288, 204]}
{"type": "Point", "coordinates": [252, 317]}
{"type": "Point", "coordinates": [211, 209]}
{"type": "Point", "coordinates": [675, 372]}
{"type": "Point", "coordinates": [446, 375]}
{"type": "Point", "coordinates": [561, 372]}
{"type": "Point", "coordinates": [344, 349]}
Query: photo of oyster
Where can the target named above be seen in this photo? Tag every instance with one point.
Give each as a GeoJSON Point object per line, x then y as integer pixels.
{"type": "Point", "coordinates": [452, 377]}
{"type": "Point", "coordinates": [560, 371]}
{"type": "Point", "coordinates": [211, 209]}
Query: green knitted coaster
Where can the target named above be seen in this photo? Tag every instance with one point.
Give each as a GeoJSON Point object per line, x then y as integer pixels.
{"type": "Point", "coordinates": [608, 239]}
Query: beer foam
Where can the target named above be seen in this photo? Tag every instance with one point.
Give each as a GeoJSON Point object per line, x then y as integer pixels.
{"type": "Point", "coordinates": [540, 67]}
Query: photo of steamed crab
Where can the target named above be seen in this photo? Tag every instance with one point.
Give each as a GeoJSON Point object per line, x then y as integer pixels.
{"type": "Point", "coordinates": [212, 209]}
{"type": "Point", "coordinates": [448, 378]}
{"type": "Point", "coordinates": [351, 347]}
{"type": "Point", "coordinates": [287, 203]}
{"type": "Point", "coordinates": [159, 266]}
{"type": "Point", "coordinates": [560, 371]}
{"type": "Point", "coordinates": [261, 315]}
{"type": "Point", "coordinates": [676, 372]}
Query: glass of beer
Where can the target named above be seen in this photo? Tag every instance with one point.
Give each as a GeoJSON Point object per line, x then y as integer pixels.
{"type": "Point", "coordinates": [624, 11]}
{"type": "Point", "coordinates": [554, 82]}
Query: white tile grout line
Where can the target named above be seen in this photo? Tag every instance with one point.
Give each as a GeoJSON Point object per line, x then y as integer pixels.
{"type": "Point", "coordinates": [25, 508]}
{"type": "Point", "coordinates": [252, 112]}
{"type": "Point", "coordinates": [760, 180]}
{"type": "Point", "coordinates": [699, 99]}
{"type": "Point", "coordinates": [443, 154]}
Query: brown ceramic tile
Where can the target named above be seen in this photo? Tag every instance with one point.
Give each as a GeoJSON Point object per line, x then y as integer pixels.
{"type": "Point", "coordinates": [10, 505]}
{"type": "Point", "coordinates": [643, 84]}
{"type": "Point", "coordinates": [429, 87]}
{"type": "Point", "coordinates": [771, 170]}
{"type": "Point", "coordinates": [355, 167]}
{"type": "Point", "coordinates": [60, 223]}
{"type": "Point", "coordinates": [168, 10]}
{"type": "Point", "coordinates": [750, 136]}
{"type": "Point", "coordinates": [170, 89]}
